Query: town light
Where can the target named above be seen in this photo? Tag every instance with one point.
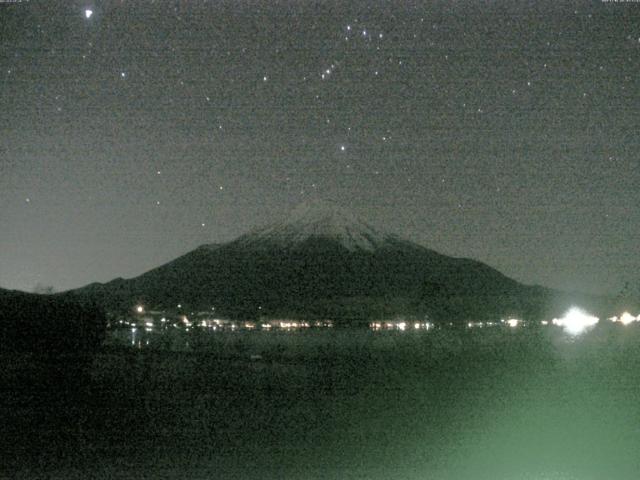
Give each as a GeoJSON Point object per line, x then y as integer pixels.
{"type": "Point", "coordinates": [575, 321]}
{"type": "Point", "coordinates": [513, 322]}
{"type": "Point", "coordinates": [626, 318]}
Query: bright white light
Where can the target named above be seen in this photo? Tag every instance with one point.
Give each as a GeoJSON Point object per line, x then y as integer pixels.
{"type": "Point", "coordinates": [626, 318]}
{"type": "Point", "coordinates": [513, 322]}
{"type": "Point", "coordinates": [140, 309]}
{"type": "Point", "coordinates": [149, 324]}
{"type": "Point", "coordinates": [575, 321]}
{"type": "Point", "coordinates": [402, 325]}
{"type": "Point", "coordinates": [87, 13]}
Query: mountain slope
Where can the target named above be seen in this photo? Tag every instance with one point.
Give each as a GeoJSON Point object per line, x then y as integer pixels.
{"type": "Point", "coordinates": [324, 262]}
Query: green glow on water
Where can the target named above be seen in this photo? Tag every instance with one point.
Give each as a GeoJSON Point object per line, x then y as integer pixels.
{"type": "Point", "coordinates": [494, 404]}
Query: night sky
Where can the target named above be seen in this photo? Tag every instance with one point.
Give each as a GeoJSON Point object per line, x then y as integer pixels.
{"type": "Point", "coordinates": [133, 131]}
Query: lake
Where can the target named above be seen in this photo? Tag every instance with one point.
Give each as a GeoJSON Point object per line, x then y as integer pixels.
{"type": "Point", "coordinates": [491, 403]}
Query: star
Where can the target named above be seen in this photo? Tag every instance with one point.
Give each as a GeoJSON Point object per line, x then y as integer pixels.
{"type": "Point", "coordinates": [88, 13]}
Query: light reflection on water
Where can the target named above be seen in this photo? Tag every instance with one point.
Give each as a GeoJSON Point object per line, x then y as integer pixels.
{"type": "Point", "coordinates": [174, 337]}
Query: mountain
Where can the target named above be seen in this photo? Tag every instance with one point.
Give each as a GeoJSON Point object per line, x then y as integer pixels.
{"type": "Point", "coordinates": [323, 262]}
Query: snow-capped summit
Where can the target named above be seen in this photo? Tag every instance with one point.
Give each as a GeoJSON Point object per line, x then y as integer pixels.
{"type": "Point", "coordinates": [320, 219]}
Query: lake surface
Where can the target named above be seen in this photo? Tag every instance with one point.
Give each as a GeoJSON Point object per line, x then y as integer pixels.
{"type": "Point", "coordinates": [524, 403]}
